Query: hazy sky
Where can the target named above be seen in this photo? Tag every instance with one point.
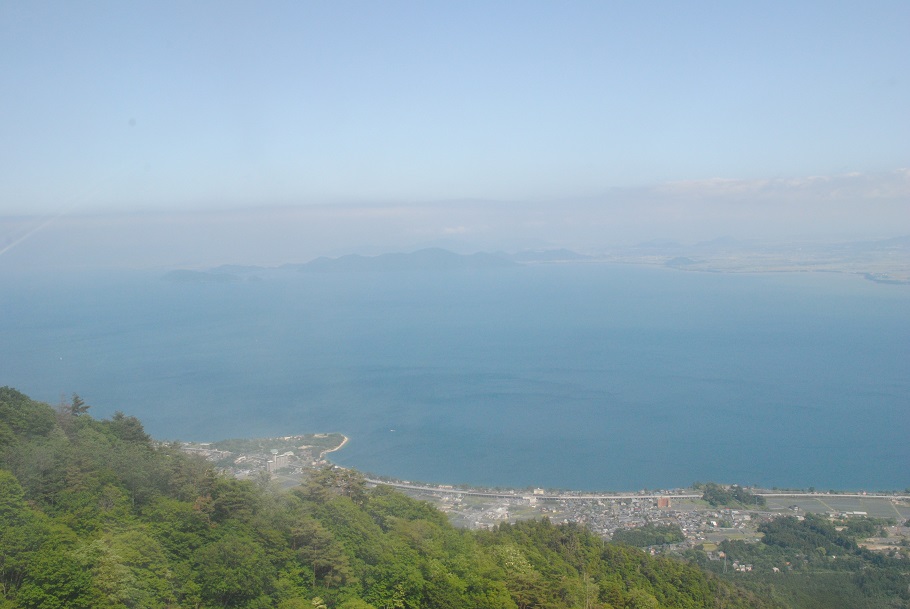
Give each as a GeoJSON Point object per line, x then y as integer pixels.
{"type": "Point", "coordinates": [391, 124]}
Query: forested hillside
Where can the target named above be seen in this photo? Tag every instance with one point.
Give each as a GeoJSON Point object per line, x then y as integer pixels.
{"type": "Point", "coordinates": [812, 563]}
{"type": "Point", "coordinates": [93, 513]}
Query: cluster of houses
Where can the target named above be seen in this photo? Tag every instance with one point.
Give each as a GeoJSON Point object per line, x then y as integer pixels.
{"type": "Point", "coordinates": [251, 464]}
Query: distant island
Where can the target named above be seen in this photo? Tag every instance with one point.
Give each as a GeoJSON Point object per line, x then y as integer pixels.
{"type": "Point", "coordinates": [430, 259]}
{"type": "Point", "coordinates": [885, 261]}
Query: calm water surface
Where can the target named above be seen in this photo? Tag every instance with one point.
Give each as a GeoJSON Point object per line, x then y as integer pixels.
{"type": "Point", "coordinates": [572, 376]}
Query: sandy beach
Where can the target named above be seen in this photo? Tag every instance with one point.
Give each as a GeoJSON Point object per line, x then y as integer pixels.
{"type": "Point", "coordinates": [331, 450]}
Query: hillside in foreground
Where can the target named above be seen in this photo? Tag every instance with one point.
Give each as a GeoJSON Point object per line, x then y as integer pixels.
{"type": "Point", "coordinates": [94, 513]}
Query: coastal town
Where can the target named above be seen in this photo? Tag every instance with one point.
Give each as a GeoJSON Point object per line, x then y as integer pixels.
{"type": "Point", "coordinates": [700, 523]}
{"type": "Point", "coordinates": [286, 461]}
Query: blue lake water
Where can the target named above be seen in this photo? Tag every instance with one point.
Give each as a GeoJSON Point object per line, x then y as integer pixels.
{"type": "Point", "coordinates": [575, 376]}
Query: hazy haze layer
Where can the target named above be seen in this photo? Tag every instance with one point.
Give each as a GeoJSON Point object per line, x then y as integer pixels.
{"type": "Point", "coordinates": [131, 131]}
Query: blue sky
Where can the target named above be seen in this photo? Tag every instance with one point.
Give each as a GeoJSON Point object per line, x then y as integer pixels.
{"type": "Point", "coordinates": [614, 108]}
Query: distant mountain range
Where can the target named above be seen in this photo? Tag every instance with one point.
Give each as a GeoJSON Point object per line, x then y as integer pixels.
{"type": "Point", "coordinates": [427, 260]}
{"type": "Point", "coordinates": [558, 255]}
{"type": "Point", "coordinates": [432, 259]}
{"type": "Point", "coordinates": [188, 276]}
{"type": "Point", "coordinates": [886, 261]}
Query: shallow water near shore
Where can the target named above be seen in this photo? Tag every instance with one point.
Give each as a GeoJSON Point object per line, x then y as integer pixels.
{"type": "Point", "coordinates": [581, 376]}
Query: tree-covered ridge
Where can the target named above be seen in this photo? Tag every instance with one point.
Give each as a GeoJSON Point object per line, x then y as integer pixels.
{"type": "Point", "coordinates": [812, 563]}
{"type": "Point", "coordinates": [93, 513]}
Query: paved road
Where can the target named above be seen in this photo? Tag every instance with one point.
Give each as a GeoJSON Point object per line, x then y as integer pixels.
{"type": "Point", "coordinates": [601, 496]}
